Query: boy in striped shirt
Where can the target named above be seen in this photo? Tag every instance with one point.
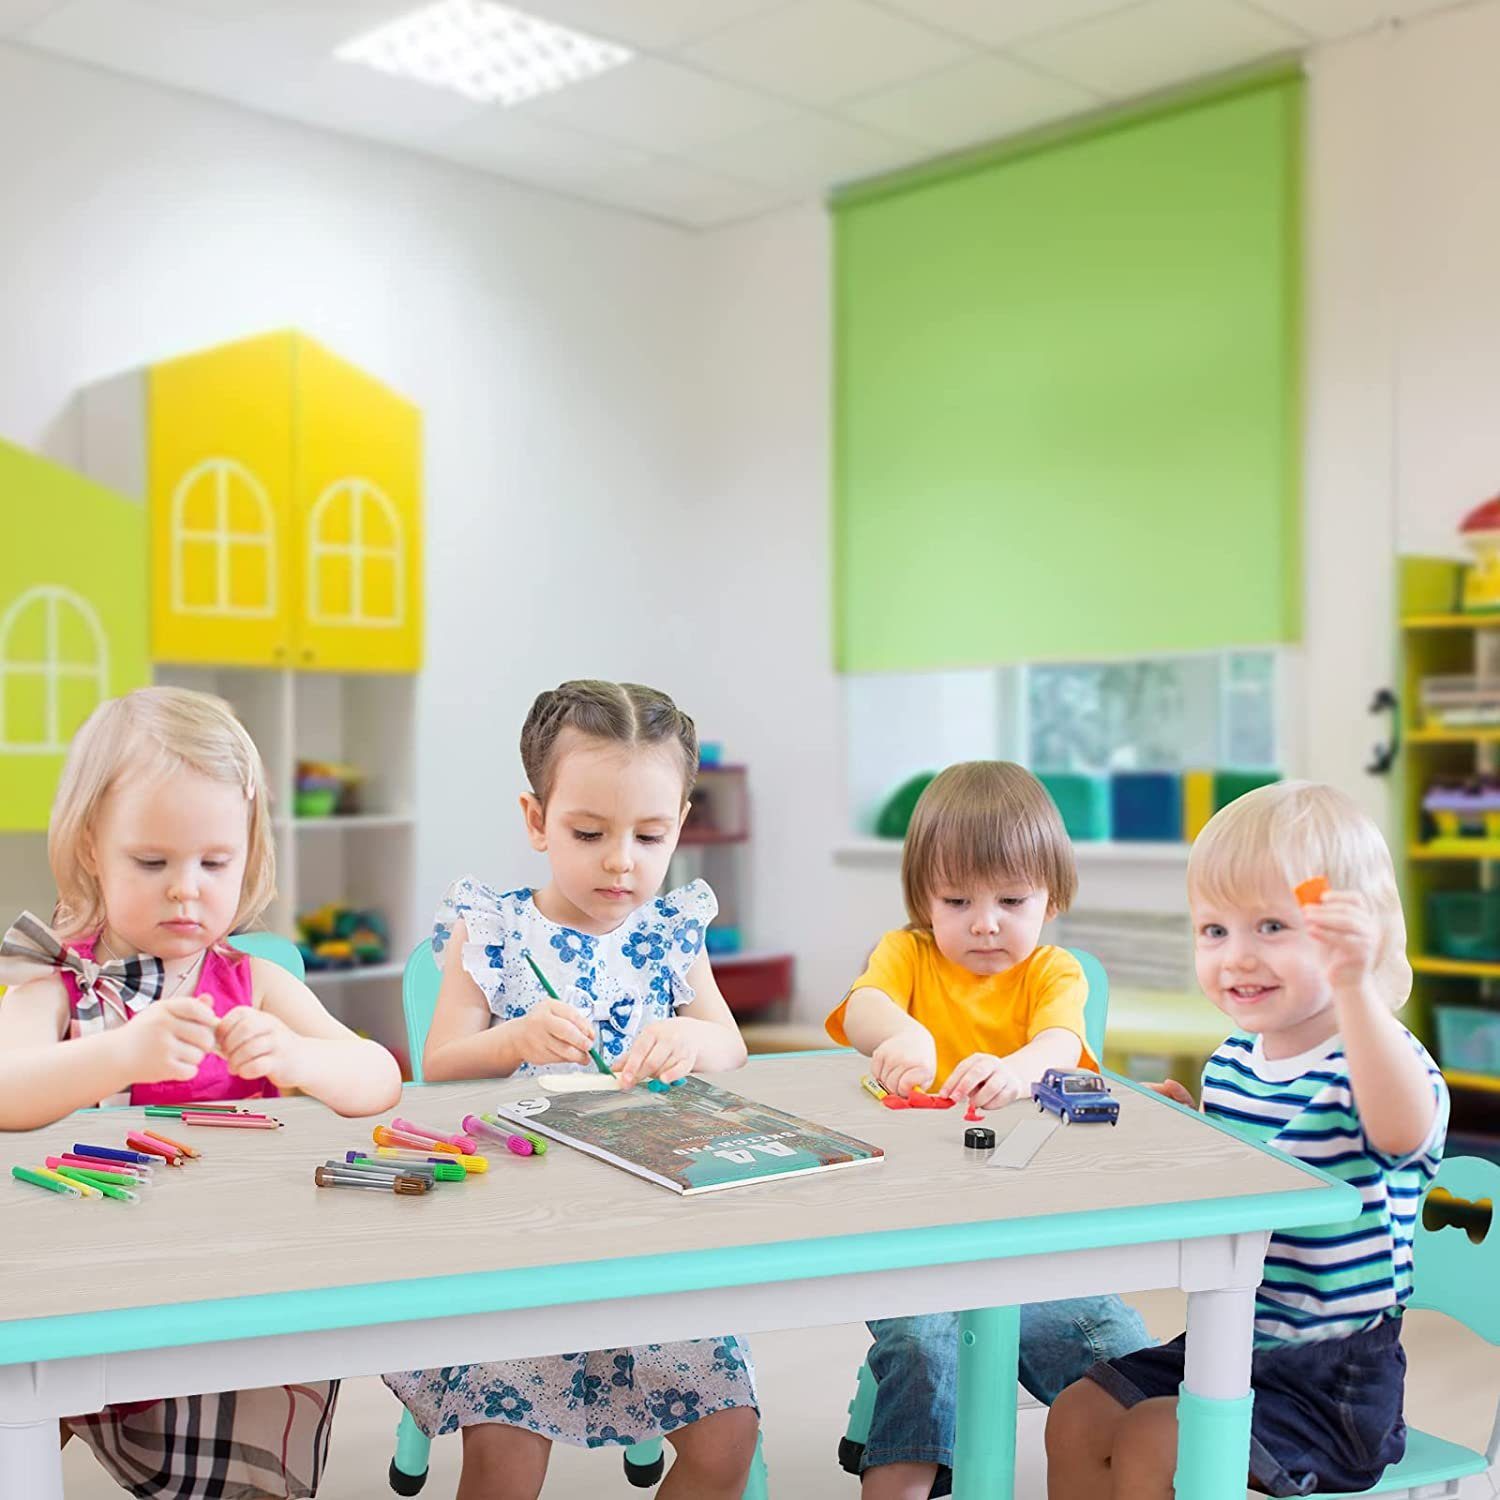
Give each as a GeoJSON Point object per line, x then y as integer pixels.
{"type": "Point", "coordinates": [1320, 1068]}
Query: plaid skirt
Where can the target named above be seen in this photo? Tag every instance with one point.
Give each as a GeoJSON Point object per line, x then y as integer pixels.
{"type": "Point", "coordinates": [234, 1445]}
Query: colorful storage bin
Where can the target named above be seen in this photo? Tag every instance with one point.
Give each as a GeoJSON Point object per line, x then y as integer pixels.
{"type": "Point", "coordinates": [1465, 925]}
{"type": "Point", "coordinates": [1083, 801]}
{"type": "Point", "coordinates": [1231, 784]}
{"type": "Point", "coordinates": [1468, 1039]}
{"type": "Point", "coordinates": [1146, 806]}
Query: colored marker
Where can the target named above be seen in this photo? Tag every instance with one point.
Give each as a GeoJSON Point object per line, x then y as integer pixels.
{"type": "Point", "coordinates": [232, 1122]}
{"type": "Point", "coordinates": [129, 1168]}
{"type": "Point", "coordinates": [109, 1153]}
{"type": "Point", "coordinates": [87, 1189]}
{"type": "Point", "coordinates": [383, 1135]}
{"type": "Point", "coordinates": [175, 1111]}
{"type": "Point", "coordinates": [463, 1142]}
{"type": "Point", "coordinates": [519, 1144]}
{"type": "Point", "coordinates": [156, 1148]}
{"type": "Point", "coordinates": [66, 1168]}
{"type": "Point", "coordinates": [447, 1171]}
{"type": "Point", "coordinates": [538, 1142]}
{"type": "Point", "coordinates": [48, 1180]}
{"type": "Point", "coordinates": [546, 983]}
{"type": "Point", "coordinates": [328, 1177]}
{"type": "Point", "coordinates": [470, 1164]}
{"type": "Point", "coordinates": [106, 1189]}
{"type": "Point", "coordinates": [166, 1140]}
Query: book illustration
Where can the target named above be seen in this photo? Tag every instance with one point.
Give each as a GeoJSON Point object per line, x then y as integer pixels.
{"type": "Point", "coordinates": [692, 1138]}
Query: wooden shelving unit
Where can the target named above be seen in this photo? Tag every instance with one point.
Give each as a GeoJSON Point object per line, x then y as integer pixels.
{"type": "Point", "coordinates": [1437, 640]}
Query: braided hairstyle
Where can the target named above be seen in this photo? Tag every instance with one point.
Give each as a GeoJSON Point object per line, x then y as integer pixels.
{"type": "Point", "coordinates": [622, 713]}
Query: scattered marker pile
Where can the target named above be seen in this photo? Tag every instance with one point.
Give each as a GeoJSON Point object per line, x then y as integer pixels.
{"type": "Point", "coordinates": [410, 1159]}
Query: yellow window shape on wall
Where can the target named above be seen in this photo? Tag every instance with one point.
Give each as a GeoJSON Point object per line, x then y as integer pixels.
{"type": "Point", "coordinates": [223, 542]}
{"type": "Point", "coordinates": [54, 664]}
{"type": "Point", "coordinates": [354, 540]}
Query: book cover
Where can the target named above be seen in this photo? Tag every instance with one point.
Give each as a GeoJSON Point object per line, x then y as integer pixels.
{"type": "Point", "coordinates": [692, 1138]}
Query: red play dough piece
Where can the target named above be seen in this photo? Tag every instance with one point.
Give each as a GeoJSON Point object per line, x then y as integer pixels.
{"type": "Point", "coordinates": [972, 1114]}
{"type": "Point", "coordinates": [895, 1101]}
{"type": "Point", "coordinates": [920, 1100]}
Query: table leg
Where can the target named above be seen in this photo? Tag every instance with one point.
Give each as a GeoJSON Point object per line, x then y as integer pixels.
{"type": "Point", "coordinates": [31, 1461]}
{"type": "Point", "coordinates": [984, 1450]}
{"type": "Point", "coordinates": [1213, 1408]}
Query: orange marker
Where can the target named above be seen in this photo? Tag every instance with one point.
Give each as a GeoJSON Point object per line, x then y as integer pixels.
{"type": "Point", "coordinates": [166, 1140]}
{"type": "Point", "coordinates": [1310, 892]}
{"type": "Point", "coordinates": [385, 1137]}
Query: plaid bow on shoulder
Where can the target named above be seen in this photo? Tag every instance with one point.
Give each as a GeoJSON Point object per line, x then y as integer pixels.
{"type": "Point", "coordinates": [124, 985]}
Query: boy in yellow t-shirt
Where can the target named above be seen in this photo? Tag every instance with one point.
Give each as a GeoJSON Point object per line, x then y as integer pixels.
{"type": "Point", "coordinates": [966, 998]}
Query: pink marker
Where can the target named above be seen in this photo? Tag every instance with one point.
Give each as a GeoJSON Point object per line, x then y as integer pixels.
{"type": "Point", "coordinates": [465, 1143]}
{"type": "Point", "coordinates": [518, 1144]}
{"type": "Point", "coordinates": [99, 1164]}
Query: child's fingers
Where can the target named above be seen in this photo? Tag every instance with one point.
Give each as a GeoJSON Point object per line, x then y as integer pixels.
{"type": "Point", "coordinates": [963, 1080]}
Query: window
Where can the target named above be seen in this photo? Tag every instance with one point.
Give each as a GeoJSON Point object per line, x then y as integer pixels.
{"type": "Point", "coordinates": [223, 543]}
{"type": "Point", "coordinates": [54, 670]}
{"type": "Point", "coordinates": [1175, 713]}
{"type": "Point", "coordinates": [355, 555]}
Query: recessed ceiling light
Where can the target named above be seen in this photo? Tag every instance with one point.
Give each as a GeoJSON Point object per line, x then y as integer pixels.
{"type": "Point", "coordinates": [483, 51]}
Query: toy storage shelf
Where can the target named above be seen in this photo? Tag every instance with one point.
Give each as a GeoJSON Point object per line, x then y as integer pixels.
{"type": "Point", "coordinates": [365, 859]}
{"type": "Point", "coordinates": [1436, 640]}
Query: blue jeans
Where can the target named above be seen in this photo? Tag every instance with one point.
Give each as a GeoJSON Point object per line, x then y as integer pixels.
{"type": "Point", "coordinates": [915, 1365]}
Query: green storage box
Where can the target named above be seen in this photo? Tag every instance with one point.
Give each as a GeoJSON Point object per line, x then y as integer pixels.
{"type": "Point", "coordinates": [1083, 802]}
{"type": "Point", "coordinates": [1231, 784]}
{"type": "Point", "coordinates": [1465, 925]}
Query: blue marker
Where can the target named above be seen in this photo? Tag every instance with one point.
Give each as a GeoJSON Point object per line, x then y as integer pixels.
{"type": "Point", "coordinates": [109, 1153]}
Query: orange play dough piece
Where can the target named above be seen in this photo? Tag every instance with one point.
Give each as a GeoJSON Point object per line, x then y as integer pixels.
{"type": "Point", "coordinates": [1310, 892]}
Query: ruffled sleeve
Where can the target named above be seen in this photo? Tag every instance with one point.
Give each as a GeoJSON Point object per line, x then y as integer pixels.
{"type": "Point", "coordinates": [687, 913]}
{"type": "Point", "coordinates": [488, 916]}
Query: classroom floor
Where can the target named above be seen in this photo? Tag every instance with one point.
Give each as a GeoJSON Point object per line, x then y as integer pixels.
{"type": "Point", "coordinates": [806, 1380]}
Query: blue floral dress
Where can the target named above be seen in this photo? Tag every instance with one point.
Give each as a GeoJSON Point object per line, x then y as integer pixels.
{"type": "Point", "coordinates": [621, 981]}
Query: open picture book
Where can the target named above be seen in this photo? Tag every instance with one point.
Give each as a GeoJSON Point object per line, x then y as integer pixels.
{"type": "Point", "coordinates": [692, 1138]}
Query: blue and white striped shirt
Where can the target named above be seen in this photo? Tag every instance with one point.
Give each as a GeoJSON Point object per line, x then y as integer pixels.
{"type": "Point", "coordinates": [1330, 1280]}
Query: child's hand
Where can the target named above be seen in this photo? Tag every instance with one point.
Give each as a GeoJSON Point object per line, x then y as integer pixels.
{"type": "Point", "coordinates": [169, 1040]}
{"type": "Point", "coordinates": [905, 1061]}
{"type": "Point", "coordinates": [1344, 926]}
{"type": "Point", "coordinates": [552, 1033]}
{"type": "Point", "coordinates": [1169, 1088]}
{"type": "Point", "coordinates": [664, 1049]}
{"type": "Point", "coordinates": [255, 1044]}
{"type": "Point", "coordinates": [988, 1081]}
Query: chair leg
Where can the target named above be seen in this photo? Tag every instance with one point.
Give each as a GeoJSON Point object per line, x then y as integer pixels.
{"type": "Point", "coordinates": [644, 1464]}
{"type": "Point", "coordinates": [984, 1450]}
{"type": "Point", "coordinates": [756, 1486]}
{"type": "Point", "coordinates": [857, 1433]}
{"type": "Point", "coordinates": [408, 1472]}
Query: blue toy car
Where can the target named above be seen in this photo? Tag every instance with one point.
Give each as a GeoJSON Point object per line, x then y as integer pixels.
{"type": "Point", "coordinates": [1072, 1094]}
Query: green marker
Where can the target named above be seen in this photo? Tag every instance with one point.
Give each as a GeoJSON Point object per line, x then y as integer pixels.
{"type": "Point", "coordinates": [98, 1178]}
{"type": "Point", "coordinates": [25, 1174]}
{"type": "Point", "coordinates": [107, 1189]}
{"type": "Point", "coordinates": [538, 1142]}
{"type": "Point", "coordinates": [599, 1062]}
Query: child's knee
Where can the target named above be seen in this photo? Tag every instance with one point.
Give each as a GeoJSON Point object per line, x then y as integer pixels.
{"type": "Point", "coordinates": [1082, 1420]}
{"type": "Point", "coordinates": [1145, 1441]}
{"type": "Point", "coordinates": [720, 1447]}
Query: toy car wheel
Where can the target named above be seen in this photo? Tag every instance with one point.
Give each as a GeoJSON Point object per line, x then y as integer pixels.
{"type": "Point", "coordinates": [1065, 1117]}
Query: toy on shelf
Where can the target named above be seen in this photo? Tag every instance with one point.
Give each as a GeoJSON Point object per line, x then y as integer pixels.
{"type": "Point", "coordinates": [1460, 702]}
{"type": "Point", "coordinates": [326, 787]}
{"type": "Point", "coordinates": [340, 937]}
{"type": "Point", "coordinates": [1480, 532]}
{"type": "Point", "coordinates": [1467, 809]}
{"type": "Point", "coordinates": [1073, 1094]}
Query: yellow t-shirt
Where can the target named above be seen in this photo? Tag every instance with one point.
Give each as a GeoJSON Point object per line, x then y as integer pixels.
{"type": "Point", "coordinates": [968, 1013]}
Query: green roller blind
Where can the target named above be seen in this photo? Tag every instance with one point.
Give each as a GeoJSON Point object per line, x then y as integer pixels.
{"type": "Point", "coordinates": [1067, 398]}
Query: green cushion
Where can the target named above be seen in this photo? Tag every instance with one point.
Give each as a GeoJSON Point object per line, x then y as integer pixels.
{"type": "Point", "coordinates": [896, 814]}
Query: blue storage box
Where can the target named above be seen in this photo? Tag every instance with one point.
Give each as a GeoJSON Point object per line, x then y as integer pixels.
{"type": "Point", "coordinates": [1146, 806]}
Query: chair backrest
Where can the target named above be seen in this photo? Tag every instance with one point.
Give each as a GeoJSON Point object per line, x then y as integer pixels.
{"type": "Point", "coordinates": [1096, 1007]}
{"type": "Point", "coordinates": [272, 947]}
{"type": "Point", "coordinates": [1451, 1272]}
{"type": "Point", "coordinates": [420, 982]}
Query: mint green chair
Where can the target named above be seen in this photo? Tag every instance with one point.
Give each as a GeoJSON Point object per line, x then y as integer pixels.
{"type": "Point", "coordinates": [1455, 1270]}
{"type": "Point", "coordinates": [644, 1464]}
{"type": "Point", "coordinates": [272, 947]}
{"type": "Point", "coordinates": [997, 1413]}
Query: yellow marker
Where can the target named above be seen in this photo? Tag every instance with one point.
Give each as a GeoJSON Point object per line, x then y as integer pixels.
{"type": "Point", "coordinates": [87, 1189]}
{"type": "Point", "coordinates": [873, 1089]}
{"type": "Point", "coordinates": [470, 1164]}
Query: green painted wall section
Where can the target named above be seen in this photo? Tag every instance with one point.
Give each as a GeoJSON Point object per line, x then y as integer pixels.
{"type": "Point", "coordinates": [1067, 395]}
{"type": "Point", "coordinates": [73, 620]}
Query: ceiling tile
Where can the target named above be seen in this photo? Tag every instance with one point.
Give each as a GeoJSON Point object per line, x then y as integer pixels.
{"type": "Point", "coordinates": [979, 100]}
{"type": "Point", "coordinates": [283, 65]}
{"type": "Point", "coordinates": [504, 141]}
{"type": "Point", "coordinates": [997, 24]}
{"type": "Point", "coordinates": [1158, 42]}
{"type": "Point", "coordinates": [1330, 19]}
{"type": "Point", "coordinates": [821, 51]}
{"type": "Point", "coordinates": [659, 106]}
{"type": "Point", "coordinates": [15, 14]}
{"type": "Point", "coordinates": [685, 194]}
{"type": "Point", "coordinates": [352, 15]}
{"type": "Point", "coordinates": [808, 153]}
{"type": "Point", "coordinates": [648, 23]}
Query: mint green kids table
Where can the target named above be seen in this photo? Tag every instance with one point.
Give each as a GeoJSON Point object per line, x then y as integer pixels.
{"type": "Point", "coordinates": [237, 1272]}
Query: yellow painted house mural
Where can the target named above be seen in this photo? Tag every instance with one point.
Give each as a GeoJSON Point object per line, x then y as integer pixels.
{"type": "Point", "coordinates": [73, 618]}
{"type": "Point", "coordinates": [285, 500]}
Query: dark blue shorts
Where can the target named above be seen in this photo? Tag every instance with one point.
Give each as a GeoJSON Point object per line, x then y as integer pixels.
{"type": "Point", "coordinates": [1327, 1414]}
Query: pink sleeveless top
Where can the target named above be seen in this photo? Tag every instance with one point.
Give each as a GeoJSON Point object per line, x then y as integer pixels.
{"type": "Point", "coordinates": [226, 981]}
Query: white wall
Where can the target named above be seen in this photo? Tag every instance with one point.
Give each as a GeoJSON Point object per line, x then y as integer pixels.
{"type": "Point", "coordinates": [551, 347]}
